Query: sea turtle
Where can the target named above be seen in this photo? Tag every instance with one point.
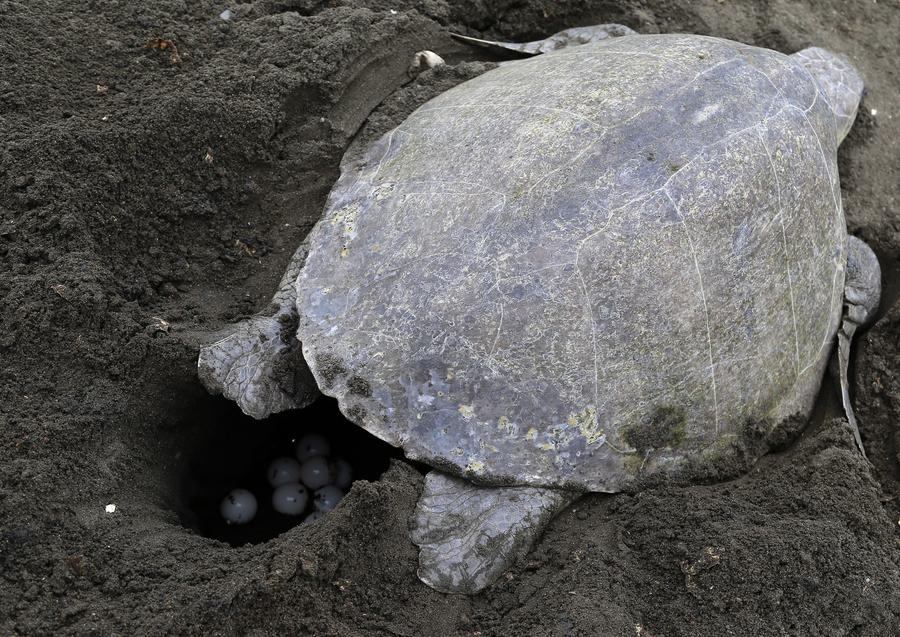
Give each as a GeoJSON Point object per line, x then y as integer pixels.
{"type": "Point", "coordinates": [606, 262]}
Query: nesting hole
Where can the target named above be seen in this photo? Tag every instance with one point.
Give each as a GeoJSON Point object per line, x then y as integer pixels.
{"type": "Point", "coordinates": [227, 450]}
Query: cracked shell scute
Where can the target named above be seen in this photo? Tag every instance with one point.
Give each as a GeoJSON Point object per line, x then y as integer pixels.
{"type": "Point", "coordinates": [585, 266]}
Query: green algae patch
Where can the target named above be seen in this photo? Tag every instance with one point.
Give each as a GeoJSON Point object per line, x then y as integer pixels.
{"type": "Point", "coordinates": [664, 427]}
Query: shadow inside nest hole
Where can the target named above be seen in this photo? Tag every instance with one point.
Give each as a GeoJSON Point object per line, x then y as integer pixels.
{"type": "Point", "coordinates": [223, 449]}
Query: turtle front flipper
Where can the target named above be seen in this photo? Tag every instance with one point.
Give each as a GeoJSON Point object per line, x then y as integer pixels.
{"type": "Point", "coordinates": [468, 535]}
{"type": "Point", "coordinates": [862, 293]}
{"type": "Point", "coordinates": [257, 362]}
{"type": "Point", "coordinates": [569, 37]}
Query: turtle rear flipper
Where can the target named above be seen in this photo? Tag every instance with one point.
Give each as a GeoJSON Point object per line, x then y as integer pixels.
{"type": "Point", "coordinates": [468, 535]}
{"type": "Point", "coordinates": [257, 362]}
{"type": "Point", "coordinates": [862, 294]}
{"type": "Point", "coordinates": [563, 39]}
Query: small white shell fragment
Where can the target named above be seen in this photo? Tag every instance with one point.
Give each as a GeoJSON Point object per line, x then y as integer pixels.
{"type": "Point", "coordinates": [424, 60]}
{"type": "Point", "coordinates": [290, 498]}
{"type": "Point", "coordinates": [283, 470]}
{"type": "Point", "coordinates": [312, 445]}
{"type": "Point", "coordinates": [316, 472]}
{"type": "Point", "coordinates": [238, 507]}
{"type": "Point", "coordinates": [110, 508]}
{"type": "Point", "coordinates": [326, 498]}
{"type": "Point", "coordinates": [226, 14]}
{"type": "Point", "coordinates": [343, 474]}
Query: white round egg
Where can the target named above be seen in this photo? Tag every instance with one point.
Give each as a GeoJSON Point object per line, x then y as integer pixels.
{"type": "Point", "coordinates": [316, 472]}
{"type": "Point", "coordinates": [343, 474]}
{"type": "Point", "coordinates": [282, 471]}
{"type": "Point", "coordinates": [290, 498]}
{"type": "Point", "coordinates": [238, 507]}
{"type": "Point", "coordinates": [312, 517]}
{"type": "Point", "coordinates": [312, 445]}
{"type": "Point", "coordinates": [326, 498]}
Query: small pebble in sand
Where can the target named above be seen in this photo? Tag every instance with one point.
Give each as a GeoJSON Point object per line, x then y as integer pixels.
{"type": "Point", "coordinates": [290, 499]}
{"type": "Point", "coordinates": [312, 445]}
{"type": "Point", "coordinates": [226, 14]}
{"type": "Point", "coordinates": [326, 498]}
{"type": "Point", "coordinates": [343, 474]}
{"type": "Point", "coordinates": [238, 507]}
{"type": "Point", "coordinates": [283, 470]}
{"type": "Point", "coordinates": [316, 472]}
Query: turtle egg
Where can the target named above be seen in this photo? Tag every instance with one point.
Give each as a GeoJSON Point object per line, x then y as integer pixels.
{"type": "Point", "coordinates": [283, 470]}
{"type": "Point", "coordinates": [238, 507]}
{"type": "Point", "coordinates": [326, 498]}
{"type": "Point", "coordinates": [312, 445]}
{"type": "Point", "coordinates": [316, 472]}
{"type": "Point", "coordinates": [290, 498]}
{"type": "Point", "coordinates": [312, 517]}
{"type": "Point", "coordinates": [343, 474]}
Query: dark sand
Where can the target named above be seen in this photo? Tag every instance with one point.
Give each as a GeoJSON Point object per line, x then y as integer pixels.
{"type": "Point", "coordinates": [147, 198]}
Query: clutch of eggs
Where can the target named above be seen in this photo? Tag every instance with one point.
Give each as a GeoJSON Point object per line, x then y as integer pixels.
{"type": "Point", "coordinates": [292, 480]}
